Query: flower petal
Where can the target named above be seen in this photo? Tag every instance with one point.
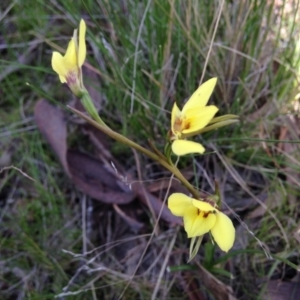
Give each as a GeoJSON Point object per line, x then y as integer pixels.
{"type": "Point", "coordinates": [223, 232]}
{"type": "Point", "coordinates": [203, 206]}
{"type": "Point", "coordinates": [82, 45]}
{"type": "Point", "coordinates": [58, 65]}
{"type": "Point", "coordinates": [195, 224]}
{"type": "Point", "coordinates": [62, 79]}
{"type": "Point", "coordinates": [183, 147]}
{"type": "Point", "coordinates": [178, 203]}
{"type": "Point", "coordinates": [70, 57]}
{"type": "Point", "coordinates": [174, 115]}
{"type": "Point", "coordinates": [201, 95]}
{"type": "Point", "coordinates": [199, 117]}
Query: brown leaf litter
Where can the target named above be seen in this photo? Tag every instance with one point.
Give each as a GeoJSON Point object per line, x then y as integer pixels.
{"type": "Point", "coordinates": [88, 173]}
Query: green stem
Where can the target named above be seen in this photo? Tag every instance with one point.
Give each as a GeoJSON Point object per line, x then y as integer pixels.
{"type": "Point", "coordinates": [89, 106]}
{"type": "Point", "coordinates": [101, 126]}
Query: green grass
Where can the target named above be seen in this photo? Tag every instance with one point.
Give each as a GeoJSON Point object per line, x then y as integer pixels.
{"type": "Point", "coordinates": [146, 57]}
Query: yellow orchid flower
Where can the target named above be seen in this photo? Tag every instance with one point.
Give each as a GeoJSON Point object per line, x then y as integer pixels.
{"type": "Point", "coordinates": [200, 217]}
{"type": "Point", "coordinates": [68, 67]}
{"type": "Point", "coordinates": [194, 116]}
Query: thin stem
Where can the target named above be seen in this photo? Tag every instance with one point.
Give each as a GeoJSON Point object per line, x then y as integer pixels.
{"type": "Point", "coordinates": [89, 106]}
{"type": "Point", "coordinates": [136, 146]}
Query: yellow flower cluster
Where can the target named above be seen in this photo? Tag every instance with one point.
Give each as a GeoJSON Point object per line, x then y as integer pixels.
{"type": "Point", "coordinates": [201, 217]}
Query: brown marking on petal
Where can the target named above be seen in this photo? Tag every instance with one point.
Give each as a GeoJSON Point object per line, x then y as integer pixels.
{"type": "Point", "coordinates": [207, 213]}
{"type": "Point", "coordinates": [187, 125]}
{"type": "Point", "coordinates": [72, 77]}
{"type": "Point", "coordinates": [211, 202]}
{"type": "Point", "coordinates": [177, 124]}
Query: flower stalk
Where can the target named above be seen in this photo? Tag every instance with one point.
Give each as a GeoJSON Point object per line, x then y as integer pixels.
{"type": "Point", "coordinates": [89, 106]}
{"type": "Point", "coordinates": [122, 139]}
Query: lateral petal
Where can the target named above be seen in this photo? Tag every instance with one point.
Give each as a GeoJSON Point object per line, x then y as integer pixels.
{"type": "Point", "coordinates": [183, 147]}
{"type": "Point", "coordinates": [174, 115]}
{"type": "Point", "coordinates": [178, 203]}
{"type": "Point", "coordinates": [199, 117]}
{"type": "Point", "coordinates": [82, 45]}
{"type": "Point", "coordinates": [58, 64]}
{"type": "Point", "coordinates": [201, 95]}
{"type": "Point", "coordinates": [62, 79]}
{"type": "Point", "coordinates": [70, 57]}
{"type": "Point", "coordinates": [223, 232]}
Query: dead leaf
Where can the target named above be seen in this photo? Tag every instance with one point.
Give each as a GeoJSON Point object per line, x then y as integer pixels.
{"type": "Point", "coordinates": [282, 290]}
{"type": "Point", "coordinates": [87, 173]}
{"type": "Point", "coordinates": [156, 204]}
{"type": "Point", "coordinates": [134, 224]}
{"type": "Point", "coordinates": [189, 284]}
{"type": "Point", "coordinates": [99, 139]}
{"type": "Point", "coordinates": [52, 124]}
{"type": "Point", "coordinates": [219, 290]}
{"type": "Point", "coordinates": [102, 143]}
{"type": "Point", "coordinates": [95, 180]}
